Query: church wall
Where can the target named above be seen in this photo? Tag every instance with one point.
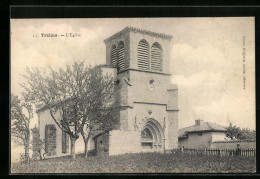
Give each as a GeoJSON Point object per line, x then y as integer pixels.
{"type": "Point", "coordinates": [140, 111]}
{"type": "Point", "coordinates": [124, 118]}
{"type": "Point", "coordinates": [124, 141]}
{"type": "Point", "coordinates": [124, 100]}
{"type": "Point", "coordinates": [110, 72]}
{"type": "Point", "coordinates": [172, 130]}
{"type": "Point", "coordinates": [124, 88]}
{"type": "Point", "coordinates": [45, 118]}
{"type": "Point", "coordinates": [139, 92]}
{"type": "Point", "coordinates": [172, 103]}
{"type": "Point", "coordinates": [140, 99]}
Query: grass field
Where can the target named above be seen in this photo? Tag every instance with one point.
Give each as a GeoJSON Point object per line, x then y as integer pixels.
{"type": "Point", "coordinates": [141, 163]}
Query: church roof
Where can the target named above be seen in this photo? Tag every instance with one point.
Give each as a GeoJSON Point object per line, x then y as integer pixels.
{"type": "Point", "coordinates": [204, 127]}
{"type": "Point", "coordinates": [134, 29]}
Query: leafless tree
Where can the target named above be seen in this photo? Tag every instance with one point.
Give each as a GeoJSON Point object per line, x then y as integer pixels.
{"type": "Point", "coordinates": [21, 114]}
{"type": "Point", "coordinates": [102, 113]}
{"type": "Point", "coordinates": [71, 94]}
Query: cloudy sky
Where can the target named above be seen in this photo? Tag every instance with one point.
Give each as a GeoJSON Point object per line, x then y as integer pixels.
{"type": "Point", "coordinates": [206, 59]}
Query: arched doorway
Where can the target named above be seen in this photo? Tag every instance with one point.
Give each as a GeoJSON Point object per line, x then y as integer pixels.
{"type": "Point", "coordinates": [152, 135]}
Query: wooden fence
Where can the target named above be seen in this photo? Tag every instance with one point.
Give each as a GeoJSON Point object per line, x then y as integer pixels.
{"type": "Point", "coordinates": [220, 152]}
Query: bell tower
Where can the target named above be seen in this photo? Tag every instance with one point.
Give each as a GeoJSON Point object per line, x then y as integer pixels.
{"type": "Point", "coordinates": [149, 102]}
{"type": "Point", "coordinates": [142, 50]}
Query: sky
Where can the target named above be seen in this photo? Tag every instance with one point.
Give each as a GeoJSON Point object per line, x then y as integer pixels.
{"type": "Point", "coordinates": [206, 59]}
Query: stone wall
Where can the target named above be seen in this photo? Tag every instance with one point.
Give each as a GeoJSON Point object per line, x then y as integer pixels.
{"type": "Point", "coordinates": [102, 144]}
{"type": "Point", "coordinates": [44, 118]}
{"type": "Point", "coordinates": [140, 91]}
{"type": "Point", "coordinates": [244, 144]}
{"type": "Point", "coordinates": [172, 130]}
{"type": "Point", "coordinates": [123, 141]}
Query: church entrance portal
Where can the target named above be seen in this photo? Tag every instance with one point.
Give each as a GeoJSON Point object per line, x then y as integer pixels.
{"type": "Point", "coordinates": [152, 135]}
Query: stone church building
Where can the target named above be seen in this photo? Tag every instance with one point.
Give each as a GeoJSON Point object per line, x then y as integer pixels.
{"type": "Point", "coordinates": [140, 61]}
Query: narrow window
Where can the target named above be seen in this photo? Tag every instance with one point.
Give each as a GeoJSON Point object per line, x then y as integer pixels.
{"type": "Point", "coordinates": [65, 142]}
{"type": "Point", "coordinates": [156, 57]}
{"type": "Point", "coordinates": [113, 56]}
{"type": "Point", "coordinates": [143, 55]}
{"type": "Point", "coordinates": [121, 56]}
{"type": "Point", "coordinates": [46, 139]}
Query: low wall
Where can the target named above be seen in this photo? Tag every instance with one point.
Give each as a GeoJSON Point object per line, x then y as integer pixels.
{"type": "Point", "coordinates": [244, 144]}
{"type": "Point", "coordinates": [102, 144]}
{"type": "Point", "coordinates": [122, 141]}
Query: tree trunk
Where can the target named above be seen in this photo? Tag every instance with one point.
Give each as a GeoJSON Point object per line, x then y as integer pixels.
{"type": "Point", "coordinates": [72, 151]}
{"type": "Point", "coordinates": [86, 147]}
{"type": "Point", "coordinates": [26, 153]}
{"type": "Point", "coordinates": [26, 148]}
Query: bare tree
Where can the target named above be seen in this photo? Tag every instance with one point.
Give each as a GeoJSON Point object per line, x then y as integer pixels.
{"type": "Point", "coordinates": [37, 144]}
{"type": "Point", "coordinates": [21, 114]}
{"type": "Point", "coordinates": [70, 94]}
{"type": "Point", "coordinates": [103, 113]}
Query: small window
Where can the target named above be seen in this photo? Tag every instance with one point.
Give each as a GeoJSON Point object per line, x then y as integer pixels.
{"type": "Point", "coordinates": [200, 134]}
{"type": "Point", "coordinates": [101, 142]}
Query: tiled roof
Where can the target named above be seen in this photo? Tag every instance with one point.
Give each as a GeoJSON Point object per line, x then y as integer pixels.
{"type": "Point", "coordinates": [204, 127]}
{"type": "Point", "coordinates": [147, 32]}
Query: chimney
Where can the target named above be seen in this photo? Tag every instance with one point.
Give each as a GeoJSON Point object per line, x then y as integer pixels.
{"type": "Point", "coordinates": [198, 122]}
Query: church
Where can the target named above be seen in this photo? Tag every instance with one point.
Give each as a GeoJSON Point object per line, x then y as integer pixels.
{"type": "Point", "coordinates": [140, 61]}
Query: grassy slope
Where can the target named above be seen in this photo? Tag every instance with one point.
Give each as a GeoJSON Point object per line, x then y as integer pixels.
{"type": "Point", "coordinates": [141, 163]}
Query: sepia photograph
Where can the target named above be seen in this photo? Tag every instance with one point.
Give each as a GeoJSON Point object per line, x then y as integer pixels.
{"type": "Point", "coordinates": [132, 95]}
